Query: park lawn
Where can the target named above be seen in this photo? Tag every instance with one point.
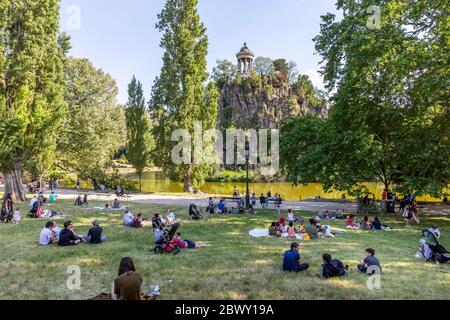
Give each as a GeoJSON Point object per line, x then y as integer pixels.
{"type": "Point", "coordinates": [235, 266]}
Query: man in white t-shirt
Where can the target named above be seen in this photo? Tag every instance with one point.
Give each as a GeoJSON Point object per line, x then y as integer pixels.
{"type": "Point", "coordinates": [47, 235]}
{"type": "Point", "coordinates": [128, 218]}
{"type": "Point", "coordinates": [32, 201]}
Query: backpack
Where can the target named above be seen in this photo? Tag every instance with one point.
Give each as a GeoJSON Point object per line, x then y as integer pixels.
{"type": "Point", "coordinates": [339, 267]}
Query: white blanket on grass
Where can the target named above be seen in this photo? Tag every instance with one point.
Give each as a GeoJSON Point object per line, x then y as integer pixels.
{"type": "Point", "coordinates": [260, 233]}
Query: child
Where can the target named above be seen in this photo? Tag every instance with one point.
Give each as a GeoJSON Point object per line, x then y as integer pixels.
{"type": "Point", "coordinates": [291, 230]}
{"type": "Point", "coordinates": [16, 216]}
{"type": "Point", "coordinates": [370, 262]}
{"type": "Point", "coordinates": [291, 217]}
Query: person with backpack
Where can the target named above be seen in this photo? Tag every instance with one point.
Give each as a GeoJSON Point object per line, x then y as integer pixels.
{"type": "Point", "coordinates": [333, 267]}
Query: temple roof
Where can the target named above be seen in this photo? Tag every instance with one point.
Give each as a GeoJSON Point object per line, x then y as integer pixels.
{"type": "Point", "coordinates": [245, 51]}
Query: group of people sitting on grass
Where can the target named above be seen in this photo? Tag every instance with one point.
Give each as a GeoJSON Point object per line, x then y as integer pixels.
{"type": "Point", "coordinates": [365, 224]}
{"type": "Point", "coordinates": [52, 234]}
{"type": "Point", "coordinates": [158, 221]}
{"type": "Point", "coordinates": [81, 201]}
{"type": "Point", "coordinates": [330, 267]}
{"type": "Point", "coordinates": [295, 228]}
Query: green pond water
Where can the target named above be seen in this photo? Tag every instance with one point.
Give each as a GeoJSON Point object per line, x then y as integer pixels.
{"type": "Point", "coordinates": [154, 182]}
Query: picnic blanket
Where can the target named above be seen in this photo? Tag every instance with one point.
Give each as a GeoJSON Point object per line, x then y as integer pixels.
{"type": "Point", "coordinates": [264, 233]}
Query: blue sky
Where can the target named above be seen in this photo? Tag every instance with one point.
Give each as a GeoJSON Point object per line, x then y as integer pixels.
{"type": "Point", "coordinates": [119, 36]}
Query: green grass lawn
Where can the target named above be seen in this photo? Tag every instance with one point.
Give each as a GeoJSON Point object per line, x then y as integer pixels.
{"type": "Point", "coordinates": [235, 266]}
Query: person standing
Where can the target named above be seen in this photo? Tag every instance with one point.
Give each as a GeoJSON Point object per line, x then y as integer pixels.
{"type": "Point", "coordinates": [291, 260]}
{"type": "Point", "coordinates": [78, 185]}
{"type": "Point", "coordinates": [262, 200]}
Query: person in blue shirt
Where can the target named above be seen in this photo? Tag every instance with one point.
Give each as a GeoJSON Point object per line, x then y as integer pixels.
{"type": "Point", "coordinates": [291, 260]}
{"type": "Point", "coordinates": [221, 206]}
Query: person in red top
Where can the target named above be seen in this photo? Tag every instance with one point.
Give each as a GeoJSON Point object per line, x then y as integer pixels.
{"type": "Point", "coordinates": [350, 223]}
{"type": "Point", "coordinates": [183, 244]}
{"type": "Point", "coordinates": [385, 194]}
{"type": "Point", "coordinates": [137, 222]}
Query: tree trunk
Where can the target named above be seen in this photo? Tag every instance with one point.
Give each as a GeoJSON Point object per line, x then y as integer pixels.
{"type": "Point", "coordinates": [14, 184]}
{"type": "Point", "coordinates": [188, 180]}
{"type": "Point", "coordinates": [140, 182]}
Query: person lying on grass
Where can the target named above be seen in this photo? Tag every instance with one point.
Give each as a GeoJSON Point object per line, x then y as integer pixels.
{"type": "Point", "coordinates": [127, 285]}
{"type": "Point", "coordinates": [183, 244]}
{"type": "Point", "coordinates": [94, 235]}
{"type": "Point", "coordinates": [370, 263]}
{"type": "Point", "coordinates": [291, 260]}
{"type": "Point", "coordinates": [68, 237]}
{"type": "Point", "coordinates": [333, 267]}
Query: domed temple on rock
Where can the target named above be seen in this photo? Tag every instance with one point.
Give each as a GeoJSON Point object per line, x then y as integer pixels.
{"type": "Point", "coordinates": [252, 101]}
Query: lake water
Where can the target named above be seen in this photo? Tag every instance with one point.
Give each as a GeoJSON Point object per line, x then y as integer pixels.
{"type": "Point", "coordinates": [153, 182]}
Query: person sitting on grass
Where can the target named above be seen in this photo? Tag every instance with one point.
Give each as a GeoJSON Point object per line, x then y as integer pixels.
{"type": "Point", "coordinates": [48, 235]}
{"type": "Point", "coordinates": [68, 237]}
{"type": "Point", "coordinates": [291, 260]}
{"type": "Point", "coordinates": [170, 217]}
{"type": "Point", "coordinates": [137, 222]}
{"type": "Point", "coordinates": [291, 230]}
{"type": "Point", "coordinates": [188, 244]}
{"type": "Point", "coordinates": [350, 223]}
{"type": "Point", "coordinates": [116, 204]}
{"type": "Point", "coordinates": [128, 218]}
{"type": "Point", "coordinates": [85, 200]}
{"type": "Point", "coordinates": [332, 267]}
{"type": "Point", "coordinates": [94, 235]}
{"type": "Point", "coordinates": [435, 230]}
{"type": "Point", "coordinates": [377, 225]}
{"type": "Point", "coordinates": [127, 285]}
{"type": "Point", "coordinates": [274, 230]}
{"type": "Point", "coordinates": [251, 209]}
{"type": "Point", "coordinates": [311, 230]}
{"type": "Point", "coordinates": [108, 206]}
{"type": "Point", "coordinates": [221, 206]}
{"type": "Point", "coordinates": [365, 224]}
{"type": "Point", "coordinates": [370, 263]}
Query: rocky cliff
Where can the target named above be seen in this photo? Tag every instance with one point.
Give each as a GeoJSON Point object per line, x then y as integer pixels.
{"type": "Point", "coordinates": [246, 103]}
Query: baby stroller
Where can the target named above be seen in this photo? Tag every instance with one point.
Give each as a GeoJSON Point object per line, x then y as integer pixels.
{"type": "Point", "coordinates": [166, 243]}
{"type": "Point", "coordinates": [439, 253]}
{"type": "Point", "coordinates": [194, 213]}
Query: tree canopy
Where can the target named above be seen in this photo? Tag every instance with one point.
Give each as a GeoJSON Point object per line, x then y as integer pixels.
{"type": "Point", "coordinates": [390, 112]}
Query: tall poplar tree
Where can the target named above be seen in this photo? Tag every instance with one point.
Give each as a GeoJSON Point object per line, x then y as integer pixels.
{"type": "Point", "coordinates": [180, 94]}
{"type": "Point", "coordinates": [138, 123]}
{"type": "Point", "coordinates": [31, 85]}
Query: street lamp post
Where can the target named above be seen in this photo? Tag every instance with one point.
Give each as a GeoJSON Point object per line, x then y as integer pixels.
{"type": "Point", "coordinates": [247, 158]}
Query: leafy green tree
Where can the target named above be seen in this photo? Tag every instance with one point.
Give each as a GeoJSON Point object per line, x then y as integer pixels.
{"type": "Point", "coordinates": [390, 105]}
{"type": "Point", "coordinates": [138, 123]}
{"type": "Point", "coordinates": [281, 66]}
{"type": "Point", "coordinates": [32, 85]}
{"type": "Point", "coordinates": [95, 125]}
{"type": "Point", "coordinates": [263, 66]}
{"type": "Point", "coordinates": [180, 95]}
{"type": "Point", "coordinates": [223, 71]}
{"type": "Point", "coordinates": [292, 73]}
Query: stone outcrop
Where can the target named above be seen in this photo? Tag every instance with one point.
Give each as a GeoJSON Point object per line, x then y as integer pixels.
{"type": "Point", "coordinates": [261, 107]}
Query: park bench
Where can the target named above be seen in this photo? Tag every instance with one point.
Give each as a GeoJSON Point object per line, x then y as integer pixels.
{"type": "Point", "coordinates": [275, 201]}
{"type": "Point", "coordinates": [232, 201]}
{"type": "Point", "coordinates": [125, 197]}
